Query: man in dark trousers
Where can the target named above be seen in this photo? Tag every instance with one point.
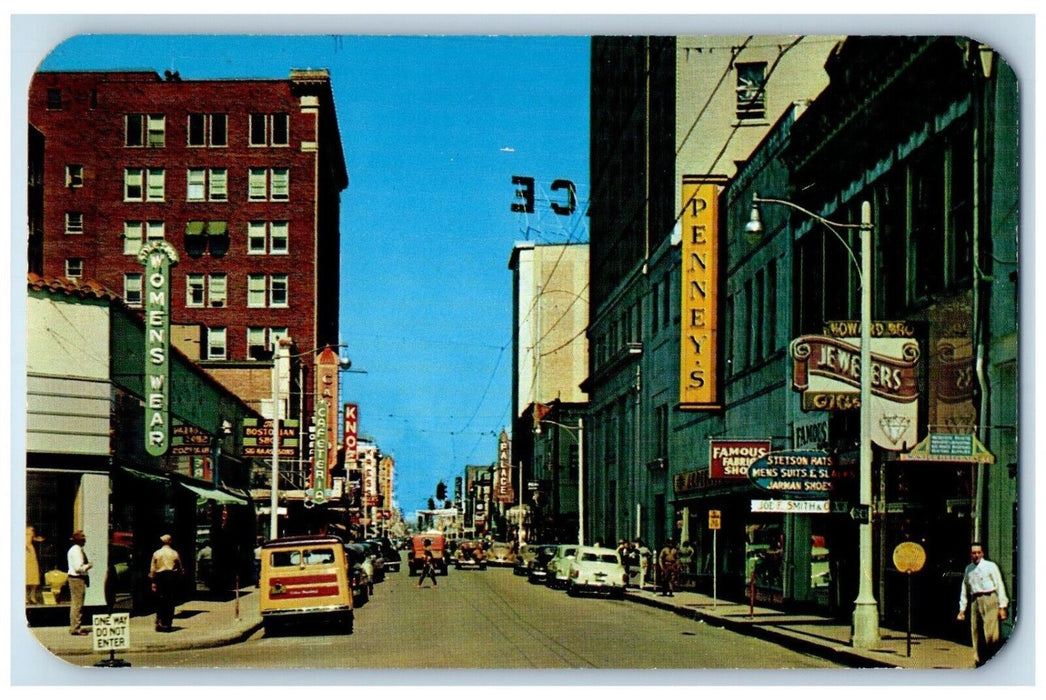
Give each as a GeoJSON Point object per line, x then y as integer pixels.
{"type": "Point", "coordinates": [164, 572]}
{"type": "Point", "coordinates": [985, 595]}
{"type": "Point", "coordinates": [427, 568]}
{"type": "Point", "coordinates": [78, 581]}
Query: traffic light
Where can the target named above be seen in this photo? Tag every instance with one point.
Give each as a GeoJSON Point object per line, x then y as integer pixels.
{"type": "Point", "coordinates": [441, 491]}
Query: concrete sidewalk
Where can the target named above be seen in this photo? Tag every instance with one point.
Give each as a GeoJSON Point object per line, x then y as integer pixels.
{"type": "Point", "coordinates": [820, 636]}
{"type": "Point", "coordinates": [198, 624]}
{"type": "Point", "coordinates": [204, 623]}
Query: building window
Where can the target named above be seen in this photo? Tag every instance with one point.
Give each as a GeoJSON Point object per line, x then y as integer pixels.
{"type": "Point", "coordinates": [156, 124]}
{"type": "Point", "coordinates": [280, 190]}
{"type": "Point", "coordinates": [132, 237]}
{"type": "Point", "coordinates": [134, 128]}
{"type": "Point", "coordinates": [194, 290]}
{"type": "Point", "coordinates": [154, 231]}
{"type": "Point", "coordinates": [661, 432]}
{"type": "Point", "coordinates": [54, 98]}
{"type": "Point", "coordinates": [154, 185]}
{"type": "Point", "coordinates": [278, 291]}
{"type": "Point", "coordinates": [74, 267]}
{"type": "Point", "coordinates": [204, 184]}
{"type": "Point", "coordinates": [74, 176]}
{"type": "Point", "coordinates": [269, 129]}
{"type": "Point", "coordinates": [218, 185]}
{"type": "Point", "coordinates": [216, 349]}
{"type": "Point", "coordinates": [132, 288]}
{"type": "Point", "coordinates": [267, 237]}
{"type": "Point", "coordinates": [216, 290]}
{"type": "Point", "coordinates": [261, 342]}
{"type": "Point", "coordinates": [256, 184]}
{"type": "Point", "coordinates": [207, 128]}
{"type": "Point", "coordinates": [197, 183]}
{"type": "Point", "coordinates": [751, 91]}
{"type": "Point", "coordinates": [74, 222]}
{"type": "Point", "coordinates": [133, 184]}
{"type": "Point", "coordinates": [256, 291]}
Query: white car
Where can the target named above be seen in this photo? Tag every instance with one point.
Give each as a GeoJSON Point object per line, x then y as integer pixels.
{"type": "Point", "coordinates": [559, 567]}
{"type": "Point", "coordinates": [596, 569]}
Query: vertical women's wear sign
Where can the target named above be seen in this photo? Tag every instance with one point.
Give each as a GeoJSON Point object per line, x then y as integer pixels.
{"type": "Point", "coordinates": [158, 259]}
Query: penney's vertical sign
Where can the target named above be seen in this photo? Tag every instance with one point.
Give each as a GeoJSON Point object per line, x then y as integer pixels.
{"type": "Point", "coordinates": [699, 324]}
{"type": "Point", "coordinates": [158, 259]}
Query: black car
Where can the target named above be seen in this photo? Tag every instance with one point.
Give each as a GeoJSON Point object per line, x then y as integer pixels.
{"type": "Point", "coordinates": [389, 553]}
{"type": "Point", "coordinates": [537, 568]}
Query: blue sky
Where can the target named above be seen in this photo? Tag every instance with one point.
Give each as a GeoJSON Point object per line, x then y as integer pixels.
{"type": "Point", "coordinates": [433, 129]}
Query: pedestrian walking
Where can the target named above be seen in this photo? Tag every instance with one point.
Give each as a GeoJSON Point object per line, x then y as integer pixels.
{"type": "Point", "coordinates": [165, 571]}
{"type": "Point", "coordinates": [32, 567]}
{"type": "Point", "coordinates": [984, 595]}
{"type": "Point", "coordinates": [686, 557]}
{"type": "Point", "coordinates": [427, 569]}
{"type": "Point", "coordinates": [77, 573]}
{"type": "Point", "coordinates": [645, 558]}
{"type": "Point", "coordinates": [668, 567]}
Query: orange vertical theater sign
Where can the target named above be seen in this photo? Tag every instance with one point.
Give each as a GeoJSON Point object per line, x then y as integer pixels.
{"type": "Point", "coordinates": [699, 306]}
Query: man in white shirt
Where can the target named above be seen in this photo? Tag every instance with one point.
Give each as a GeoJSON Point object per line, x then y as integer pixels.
{"type": "Point", "coordinates": [78, 565]}
{"type": "Point", "coordinates": [985, 594]}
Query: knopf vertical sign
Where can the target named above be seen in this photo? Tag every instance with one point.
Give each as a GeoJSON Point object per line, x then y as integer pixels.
{"type": "Point", "coordinates": [158, 259]}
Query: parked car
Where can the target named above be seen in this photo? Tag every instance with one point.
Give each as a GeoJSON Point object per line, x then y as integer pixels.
{"type": "Point", "coordinates": [524, 554]}
{"type": "Point", "coordinates": [390, 556]}
{"type": "Point", "coordinates": [374, 552]}
{"type": "Point", "coordinates": [596, 569]}
{"type": "Point", "coordinates": [359, 558]}
{"type": "Point", "coordinates": [559, 566]}
{"type": "Point", "coordinates": [470, 555]}
{"type": "Point", "coordinates": [537, 570]}
{"type": "Point", "coordinates": [500, 554]}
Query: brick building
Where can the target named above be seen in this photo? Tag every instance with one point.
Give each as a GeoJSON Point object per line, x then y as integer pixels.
{"type": "Point", "coordinates": [242, 177]}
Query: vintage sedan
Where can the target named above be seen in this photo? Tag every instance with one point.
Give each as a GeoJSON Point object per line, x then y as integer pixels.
{"type": "Point", "coordinates": [537, 569]}
{"type": "Point", "coordinates": [596, 569]}
{"type": "Point", "coordinates": [524, 554]}
{"type": "Point", "coordinates": [500, 554]}
{"type": "Point", "coordinates": [470, 555]}
{"type": "Point", "coordinates": [559, 566]}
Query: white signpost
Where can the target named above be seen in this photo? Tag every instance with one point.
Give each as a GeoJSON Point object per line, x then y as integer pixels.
{"type": "Point", "coordinates": [110, 633]}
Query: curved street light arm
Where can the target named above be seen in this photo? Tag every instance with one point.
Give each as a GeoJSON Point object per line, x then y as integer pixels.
{"type": "Point", "coordinates": [830, 225]}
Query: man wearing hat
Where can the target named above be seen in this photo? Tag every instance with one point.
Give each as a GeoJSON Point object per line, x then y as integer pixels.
{"type": "Point", "coordinates": [76, 559]}
{"type": "Point", "coordinates": [164, 572]}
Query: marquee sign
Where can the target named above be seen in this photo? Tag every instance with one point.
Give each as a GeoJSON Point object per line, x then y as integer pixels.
{"type": "Point", "coordinates": [503, 491]}
{"type": "Point", "coordinates": [699, 303]}
{"type": "Point", "coordinates": [158, 259]}
{"type": "Point", "coordinates": [352, 431]}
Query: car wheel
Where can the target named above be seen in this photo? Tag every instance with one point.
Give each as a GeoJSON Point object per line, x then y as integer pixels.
{"type": "Point", "coordinates": [618, 593]}
{"type": "Point", "coordinates": [348, 622]}
{"type": "Point", "coordinates": [572, 590]}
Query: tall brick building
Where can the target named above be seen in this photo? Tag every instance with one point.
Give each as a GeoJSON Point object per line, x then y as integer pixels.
{"type": "Point", "coordinates": [242, 177]}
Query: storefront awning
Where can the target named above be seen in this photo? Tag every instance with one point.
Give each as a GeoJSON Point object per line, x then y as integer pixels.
{"type": "Point", "coordinates": [156, 478]}
{"type": "Point", "coordinates": [216, 495]}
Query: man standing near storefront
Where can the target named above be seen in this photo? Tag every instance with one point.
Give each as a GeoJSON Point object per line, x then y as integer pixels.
{"type": "Point", "coordinates": [985, 594]}
{"type": "Point", "coordinates": [164, 572]}
{"type": "Point", "coordinates": [668, 567]}
{"type": "Point", "coordinates": [76, 559]}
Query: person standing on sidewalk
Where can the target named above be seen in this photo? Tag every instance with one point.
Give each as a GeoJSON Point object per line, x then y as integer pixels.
{"type": "Point", "coordinates": [76, 558]}
{"type": "Point", "coordinates": [164, 572]}
{"type": "Point", "coordinates": [427, 569]}
{"type": "Point", "coordinates": [644, 562]}
{"type": "Point", "coordinates": [985, 594]}
{"type": "Point", "coordinates": [668, 567]}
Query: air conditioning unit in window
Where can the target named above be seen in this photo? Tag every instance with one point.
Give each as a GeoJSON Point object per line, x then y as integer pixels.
{"type": "Point", "coordinates": [217, 303]}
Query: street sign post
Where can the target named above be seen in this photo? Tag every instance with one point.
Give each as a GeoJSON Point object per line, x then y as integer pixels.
{"type": "Point", "coordinates": [909, 558]}
{"type": "Point", "coordinates": [111, 632]}
{"type": "Point", "coordinates": [713, 525]}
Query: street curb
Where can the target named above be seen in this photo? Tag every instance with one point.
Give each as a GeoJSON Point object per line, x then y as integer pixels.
{"type": "Point", "coordinates": [177, 645]}
{"type": "Point", "coordinates": [797, 642]}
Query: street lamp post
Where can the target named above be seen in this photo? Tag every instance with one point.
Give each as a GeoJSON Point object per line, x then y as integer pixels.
{"type": "Point", "coordinates": [580, 437]}
{"type": "Point", "coordinates": [865, 632]}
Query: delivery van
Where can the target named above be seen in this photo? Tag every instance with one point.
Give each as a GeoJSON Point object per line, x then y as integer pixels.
{"type": "Point", "coordinates": [305, 578]}
{"type": "Point", "coordinates": [437, 544]}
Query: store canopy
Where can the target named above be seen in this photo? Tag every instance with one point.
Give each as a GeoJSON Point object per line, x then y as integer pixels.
{"type": "Point", "coordinates": [216, 495]}
{"type": "Point", "coordinates": [156, 478]}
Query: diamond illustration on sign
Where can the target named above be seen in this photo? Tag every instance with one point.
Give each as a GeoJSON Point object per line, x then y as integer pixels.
{"type": "Point", "coordinates": [894, 426]}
